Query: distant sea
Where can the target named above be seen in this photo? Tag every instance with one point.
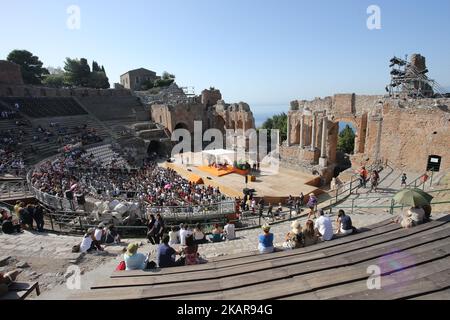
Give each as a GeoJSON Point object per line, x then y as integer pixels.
{"type": "Point", "coordinates": [263, 112]}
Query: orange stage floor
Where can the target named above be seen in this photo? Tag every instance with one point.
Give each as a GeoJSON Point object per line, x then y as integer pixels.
{"type": "Point", "coordinates": [215, 171]}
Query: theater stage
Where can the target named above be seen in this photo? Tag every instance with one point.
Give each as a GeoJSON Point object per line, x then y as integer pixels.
{"type": "Point", "coordinates": [273, 187]}
{"type": "Point", "coordinates": [217, 172]}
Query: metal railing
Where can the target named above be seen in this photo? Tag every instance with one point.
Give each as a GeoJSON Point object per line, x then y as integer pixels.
{"type": "Point", "coordinates": [392, 206]}
{"type": "Point", "coordinates": [347, 189]}
{"type": "Point", "coordinates": [14, 188]}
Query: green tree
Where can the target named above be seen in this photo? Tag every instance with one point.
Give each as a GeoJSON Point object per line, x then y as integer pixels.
{"type": "Point", "coordinates": [148, 84]}
{"type": "Point", "coordinates": [95, 67]}
{"type": "Point", "coordinates": [77, 72]}
{"type": "Point", "coordinates": [167, 76]}
{"type": "Point", "coordinates": [54, 80]}
{"type": "Point", "coordinates": [98, 80]}
{"type": "Point", "coordinates": [279, 122]}
{"type": "Point", "coordinates": [346, 140]}
{"type": "Point", "coordinates": [30, 65]}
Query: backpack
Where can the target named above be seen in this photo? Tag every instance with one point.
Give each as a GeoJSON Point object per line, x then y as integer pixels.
{"type": "Point", "coordinates": [121, 267]}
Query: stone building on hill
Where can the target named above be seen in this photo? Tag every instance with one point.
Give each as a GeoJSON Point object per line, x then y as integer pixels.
{"type": "Point", "coordinates": [134, 79]}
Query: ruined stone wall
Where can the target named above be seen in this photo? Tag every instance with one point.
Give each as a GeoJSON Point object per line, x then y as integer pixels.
{"type": "Point", "coordinates": [410, 135]}
{"type": "Point", "coordinates": [181, 115]}
{"type": "Point", "coordinates": [221, 116]}
{"type": "Point", "coordinates": [404, 131]}
{"type": "Point", "coordinates": [10, 73]}
{"type": "Point", "coordinates": [210, 97]}
{"type": "Point", "coordinates": [39, 91]}
{"type": "Point", "coordinates": [160, 114]}
{"type": "Point", "coordinates": [233, 116]}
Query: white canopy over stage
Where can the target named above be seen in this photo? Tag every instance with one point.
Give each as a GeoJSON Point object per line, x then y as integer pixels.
{"type": "Point", "coordinates": [219, 156]}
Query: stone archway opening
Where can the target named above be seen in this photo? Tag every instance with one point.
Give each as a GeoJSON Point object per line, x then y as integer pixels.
{"type": "Point", "coordinates": [345, 146]}
{"type": "Point", "coordinates": [181, 125]}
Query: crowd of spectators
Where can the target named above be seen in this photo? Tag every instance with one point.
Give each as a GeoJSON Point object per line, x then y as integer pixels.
{"type": "Point", "coordinates": [152, 184]}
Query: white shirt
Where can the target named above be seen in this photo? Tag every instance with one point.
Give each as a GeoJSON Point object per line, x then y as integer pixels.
{"type": "Point", "coordinates": [198, 235]}
{"type": "Point", "coordinates": [230, 231]}
{"type": "Point", "coordinates": [325, 227]}
{"type": "Point", "coordinates": [173, 237]}
{"type": "Point", "coordinates": [86, 244]}
{"type": "Point", "coordinates": [416, 214]}
{"type": "Point", "coordinates": [98, 234]}
{"type": "Point", "coordinates": [183, 234]}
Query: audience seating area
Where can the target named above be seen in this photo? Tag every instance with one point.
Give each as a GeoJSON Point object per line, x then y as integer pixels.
{"type": "Point", "coordinates": [8, 113]}
{"type": "Point", "coordinates": [105, 154]}
{"type": "Point", "coordinates": [414, 264]}
{"type": "Point", "coordinates": [114, 108]}
{"type": "Point", "coordinates": [42, 148]}
{"type": "Point", "coordinates": [45, 106]}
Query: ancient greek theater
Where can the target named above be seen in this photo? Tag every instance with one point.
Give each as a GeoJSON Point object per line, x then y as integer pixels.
{"type": "Point", "coordinates": [269, 166]}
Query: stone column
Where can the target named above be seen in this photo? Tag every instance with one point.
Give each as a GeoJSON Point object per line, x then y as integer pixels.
{"type": "Point", "coordinates": [288, 131]}
{"type": "Point", "coordinates": [313, 133]}
{"type": "Point", "coordinates": [319, 136]}
{"type": "Point", "coordinates": [302, 135]}
{"type": "Point", "coordinates": [323, 149]}
{"type": "Point", "coordinates": [379, 121]}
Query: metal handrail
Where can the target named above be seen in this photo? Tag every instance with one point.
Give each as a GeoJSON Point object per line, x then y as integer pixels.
{"type": "Point", "coordinates": [381, 206]}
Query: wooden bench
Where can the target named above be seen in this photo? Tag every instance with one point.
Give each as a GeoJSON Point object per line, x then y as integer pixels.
{"type": "Point", "coordinates": [337, 269]}
{"type": "Point", "coordinates": [21, 290]}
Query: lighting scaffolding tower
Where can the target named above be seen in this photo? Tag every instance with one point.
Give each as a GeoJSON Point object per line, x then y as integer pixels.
{"type": "Point", "coordinates": [407, 80]}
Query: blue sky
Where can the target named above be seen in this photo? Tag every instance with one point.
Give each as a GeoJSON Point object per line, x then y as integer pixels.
{"type": "Point", "coordinates": [261, 52]}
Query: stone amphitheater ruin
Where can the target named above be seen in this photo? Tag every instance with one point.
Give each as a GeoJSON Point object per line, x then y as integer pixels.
{"type": "Point", "coordinates": [399, 131]}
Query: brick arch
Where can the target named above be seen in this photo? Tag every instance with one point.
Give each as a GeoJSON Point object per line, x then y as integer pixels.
{"type": "Point", "coordinates": [181, 125]}
{"type": "Point", "coordinates": [360, 125]}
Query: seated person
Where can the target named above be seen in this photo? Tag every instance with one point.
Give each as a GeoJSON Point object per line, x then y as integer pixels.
{"type": "Point", "coordinates": [265, 240]}
{"type": "Point", "coordinates": [199, 236]}
{"type": "Point", "coordinates": [294, 238]}
{"type": "Point", "coordinates": [89, 243]}
{"type": "Point", "coordinates": [99, 233]}
{"type": "Point", "coordinates": [26, 217]}
{"type": "Point", "coordinates": [173, 236]}
{"type": "Point", "coordinates": [9, 227]}
{"type": "Point", "coordinates": [229, 231]}
{"type": "Point", "coordinates": [312, 203]}
{"type": "Point", "coordinates": [344, 224]}
{"type": "Point", "coordinates": [413, 217]}
{"type": "Point", "coordinates": [133, 259]}
{"type": "Point", "coordinates": [166, 254]}
{"type": "Point", "coordinates": [324, 226]}
{"type": "Point", "coordinates": [427, 209]}
{"type": "Point", "coordinates": [190, 251]}
{"type": "Point", "coordinates": [216, 234]}
{"type": "Point", "coordinates": [183, 233]}
{"type": "Point", "coordinates": [111, 235]}
{"type": "Point", "coordinates": [280, 208]}
{"type": "Point", "coordinates": [310, 235]}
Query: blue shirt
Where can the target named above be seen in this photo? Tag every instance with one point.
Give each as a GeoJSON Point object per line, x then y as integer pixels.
{"type": "Point", "coordinates": [266, 241]}
{"type": "Point", "coordinates": [135, 262]}
{"type": "Point", "coordinates": [165, 253]}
